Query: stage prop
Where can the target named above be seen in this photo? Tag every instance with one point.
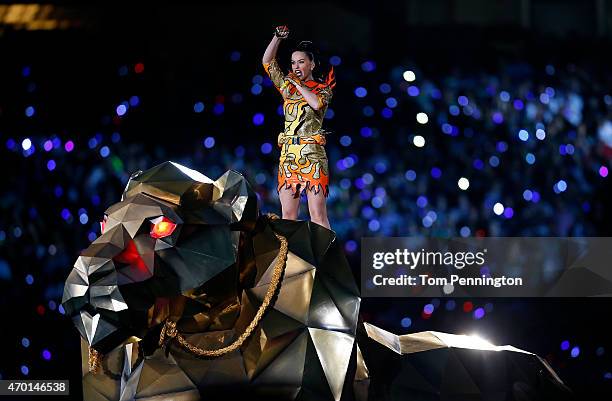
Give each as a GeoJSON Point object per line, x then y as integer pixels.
{"type": "Point", "coordinates": [189, 293]}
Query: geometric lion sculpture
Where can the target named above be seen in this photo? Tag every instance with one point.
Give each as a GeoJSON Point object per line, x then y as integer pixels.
{"type": "Point", "coordinates": [189, 293]}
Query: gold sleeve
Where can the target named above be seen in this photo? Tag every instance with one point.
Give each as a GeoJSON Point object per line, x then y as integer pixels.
{"type": "Point", "coordinates": [324, 96]}
{"type": "Point", "coordinates": [274, 72]}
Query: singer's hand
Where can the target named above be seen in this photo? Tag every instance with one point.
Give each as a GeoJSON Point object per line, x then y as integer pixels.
{"type": "Point", "coordinates": [294, 79]}
{"type": "Point", "coordinates": [281, 32]}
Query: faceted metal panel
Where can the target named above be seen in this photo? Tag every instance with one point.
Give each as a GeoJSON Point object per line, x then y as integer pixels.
{"type": "Point", "coordinates": [440, 366]}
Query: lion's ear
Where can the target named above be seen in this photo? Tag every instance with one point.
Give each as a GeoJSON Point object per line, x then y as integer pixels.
{"type": "Point", "coordinates": [234, 199]}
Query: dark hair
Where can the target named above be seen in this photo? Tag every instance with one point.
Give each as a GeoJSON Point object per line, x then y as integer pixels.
{"type": "Point", "coordinates": [307, 47]}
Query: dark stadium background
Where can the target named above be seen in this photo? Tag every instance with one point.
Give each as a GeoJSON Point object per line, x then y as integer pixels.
{"type": "Point", "coordinates": [192, 88]}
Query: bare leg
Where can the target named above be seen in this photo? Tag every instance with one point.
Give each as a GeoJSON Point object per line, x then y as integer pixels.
{"type": "Point", "coordinates": [318, 208]}
{"type": "Point", "coordinates": [289, 204]}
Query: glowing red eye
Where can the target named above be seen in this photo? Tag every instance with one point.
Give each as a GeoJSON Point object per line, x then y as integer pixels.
{"type": "Point", "coordinates": [103, 224]}
{"type": "Point", "coordinates": [162, 228]}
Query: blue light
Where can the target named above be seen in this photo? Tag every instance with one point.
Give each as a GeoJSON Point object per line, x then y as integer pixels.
{"type": "Point", "coordinates": [368, 66]}
{"type": "Point", "coordinates": [345, 183]}
{"type": "Point", "coordinates": [25, 342]}
{"type": "Point", "coordinates": [258, 119]}
{"type": "Point", "coordinates": [123, 70]}
{"type": "Point", "coordinates": [65, 214]}
{"type": "Point", "coordinates": [427, 221]}
{"type": "Point", "coordinates": [219, 108]}
{"type": "Point", "coordinates": [25, 370]}
{"type": "Point", "coordinates": [104, 151]}
{"type": "Point", "coordinates": [502, 146]}
{"type": "Point", "coordinates": [256, 89]}
{"type": "Point", "coordinates": [335, 60]}
{"type": "Point", "coordinates": [478, 164]}
{"type": "Point", "coordinates": [387, 112]}
{"type": "Point", "coordinates": [391, 102]}
{"type": "Point", "coordinates": [428, 309]}
{"type": "Point", "coordinates": [421, 201]}
{"type": "Point", "coordinates": [447, 128]}
{"type": "Point", "coordinates": [29, 111]}
{"type": "Point", "coordinates": [46, 355]}
{"type": "Point", "coordinates": [91, 236]}
{"type": "Point", "coordinates": [530, 158]}
{"type": "Point", "coordinates": [368, 111]}
{"type": "Point", "coordinates": [497, 117]}
{"type": "Point", "coordinates": [413, 91]}
{"type": "Point", "coordinates": [366, 132]}
{"type": "Point", "coordinates": [450, 305]}
{"type": "Point", "coordinates": [345, 140]}
{"type": "Point", "coordinates": [463, 101]}
{"type": "Point", "coordinates": [198, 107]}
{"type": "Point", "coordinates": [134, 101]}
{"type": "Point", "coordinates": [209, 142]}
{"type": "Point", "coordinates": [523, 135]}
{"type": "Point", "coordinates": [465, 231]}
{"type": "Point", "coordinates": [351, 246]}
{"type": "Point", "coordinates": [26, 71]}
{"type": "Point", "coordinates": [26, 144]}
{"type": "Point", "coordinates": [83, 218]}
{"type": "Point", "coordinates": [235, 56]}
{"type": "Point", "coordinates": [504, 96]}
{"type": "Point", "coordinates": [121, 110]}
{"type": "Point", "coordinates": [562, 185]}
{"type": "Point", "coordinates": [454, 110]}
{"type": "Point", "coordinates": [575, 352]}
{"type": "Point", "coordinates": [257, 79]}
{"type": "Point", "coordinates": [527, 195]}
{"type": "Point", "coordinates": [436, 173]}
{"type": "Point", "coordinates": [385, 88]}
{"type": "Point", "coordinates": [377, 202]}
{"type": "Point", "coordinates": [329, 114]}
{"type": "Point", "coordinates": [406, 322]}
{"type": "Point", "coordinates": [92, 143]}
{"type": "Point", "coordinates": [494, 161]}
{"type": "Point", "coordinates": [51, 165]}
{"type": "Point", "coordinates": [280, 111]}
{"type": "Point", "coordinates": [266, 148]}
{"type": "Point", "coordinates": [518, 104]}
{"type": "Point", "coordinates": [410, 175]}
{"type": "Point", "coordinates": [240, 151]}
{"type": "Point", "coordinates": [29, 279]}
{"type": "Point", "coordinates": [540, 134]}
{"type": "Point", "coordinates": [115, 137]}
{"type": "Point", "coordinates": [361, 92]}
{"type": "Point", "coordinates": [550, 69]}
{"type": "Point", "coordinates": [374, 225]}
{"type": "Point", "coordinates": [569, 148]}
{"type": "Point", "coordinates": [565, 345]}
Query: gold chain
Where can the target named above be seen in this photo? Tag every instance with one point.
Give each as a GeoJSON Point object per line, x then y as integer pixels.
{"type": "Point", "coordinates": [169, 330]}
{"type": "Point", "coordinates": [94, 361]}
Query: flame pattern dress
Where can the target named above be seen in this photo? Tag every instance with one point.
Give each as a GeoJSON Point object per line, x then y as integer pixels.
{"type": "Point", "coordinates": [303, 161]}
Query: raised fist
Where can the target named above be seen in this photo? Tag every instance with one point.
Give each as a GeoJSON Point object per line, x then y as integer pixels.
{"type": "Point", "coordinates": [281, 32]}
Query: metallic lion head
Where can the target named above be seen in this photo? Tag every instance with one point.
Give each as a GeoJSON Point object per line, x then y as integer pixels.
{"type": "Point", "coordinates": [175, 233]}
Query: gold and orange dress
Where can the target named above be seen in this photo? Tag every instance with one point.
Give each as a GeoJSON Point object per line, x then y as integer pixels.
{"type": "Point", "coordinates": [303, 161]}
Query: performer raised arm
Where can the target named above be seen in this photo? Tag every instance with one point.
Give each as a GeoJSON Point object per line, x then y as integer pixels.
{"type": "Point", "coordinates": [303, 164]}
